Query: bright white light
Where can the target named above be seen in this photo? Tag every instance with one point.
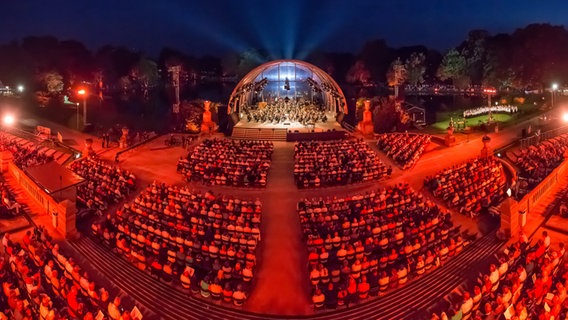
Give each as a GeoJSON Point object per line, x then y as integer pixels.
{"type": "Point", "coordinates": [509, 192]}
{"type": "Point", "coordinates": [499, 155]}
{"type": "Point", "coordinates": [555, 86]}
{"type": "Point", "coordinates": [8, 120]}
{"type": "Point", "coordinates": [565, 117]}
{"type": "Point", "coordinates": [20, 88]}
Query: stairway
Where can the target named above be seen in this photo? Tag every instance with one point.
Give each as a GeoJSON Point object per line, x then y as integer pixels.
{"type": "Point", "coordinates": [260, 134]}
{"type": "Point", "coordinates": [161, 298]}
{"type": "Point", "coordinates": [172, 303]}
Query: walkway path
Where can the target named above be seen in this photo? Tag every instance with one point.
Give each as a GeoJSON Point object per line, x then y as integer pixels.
{"type": "Point", "coordinates": [283, 257]}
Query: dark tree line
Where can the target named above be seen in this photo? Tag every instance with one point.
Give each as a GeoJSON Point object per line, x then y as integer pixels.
{"type": "Point", "coordinates": [530, 57]}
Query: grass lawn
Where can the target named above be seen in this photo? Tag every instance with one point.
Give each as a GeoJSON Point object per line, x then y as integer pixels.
{"type": "Point", "coordinates": [504, 118]}
{"type": "Point", "coordinates": [473, 121]}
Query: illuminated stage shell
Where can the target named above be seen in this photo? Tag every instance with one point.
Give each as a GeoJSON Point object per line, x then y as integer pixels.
{"type": "Point", "coordinates": [291, 79]}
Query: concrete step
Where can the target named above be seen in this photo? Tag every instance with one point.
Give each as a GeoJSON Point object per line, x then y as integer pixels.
{"type": "Point", "coordinates": [418, 295]}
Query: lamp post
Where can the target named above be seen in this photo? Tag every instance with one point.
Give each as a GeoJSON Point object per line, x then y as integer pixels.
{"type": "Point", "coordinates": [83, 93]}
{"type": "Point", "coordinates": [552, 92]}
{"type": "Point", "coordinates": [77, 115]}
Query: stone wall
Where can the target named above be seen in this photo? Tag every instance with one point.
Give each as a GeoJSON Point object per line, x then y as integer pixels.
{"type": "Point", "coordinates": [63, 214]}
{"type": "Point", "coordinates": [513, 213]}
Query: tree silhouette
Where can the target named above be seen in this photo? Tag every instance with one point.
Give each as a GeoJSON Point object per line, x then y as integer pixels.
{"type": "Point", "coordinates": [454, 68]}
{"type": "Point", "coordinates": [415, 67]}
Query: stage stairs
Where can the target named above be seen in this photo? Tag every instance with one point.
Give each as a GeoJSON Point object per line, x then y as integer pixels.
{"type": "Point", "coordinates": [259, 134]}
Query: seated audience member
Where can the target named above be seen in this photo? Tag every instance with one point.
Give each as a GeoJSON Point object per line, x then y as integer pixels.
{"type": "Point", "coordinates": [471, 187]}
{"type": "Point", "coordinates": [340, 162]}
{"type": "Point", "coordinates": [205, 241]}
{"type": "Point", "coordinates": [403, 148]}
{"type": "Point", "coordinates": [237, 163]}
{"type": "Point", "coordinates": [360, 262]}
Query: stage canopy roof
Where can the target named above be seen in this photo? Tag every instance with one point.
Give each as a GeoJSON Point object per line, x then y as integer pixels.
{"type": "Point", "coordinates": [293, 79]}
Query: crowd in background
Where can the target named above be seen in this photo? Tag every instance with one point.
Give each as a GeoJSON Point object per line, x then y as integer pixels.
{"type": "Point", "coordinates": [494, 109]}
{"type": "Point", "coordinates": [105, 184]}
{"type": "Point", "coordinates": [205, 243]}
{"type": "Point", "coordinates": [403, 148]}
{"type": "Point", "coordinates": [471, 187]}
{"type": "Point", "coordinates": [338, 162]}
{"type": "Point", "coordinates": [536, 162]}
{"type": "Point", "coordinates": [370, 243]}
{"type": "Point", "coordinates": [28, 155]}
{"type": "Point", "coordinates": [237, 163]}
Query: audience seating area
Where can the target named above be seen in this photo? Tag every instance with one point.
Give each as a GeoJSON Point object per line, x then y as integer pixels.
{"type": "Point", "coordinates": [525, 282]}
{"type": "Point", "coordinates": [237, 163]}
{"type": "Point", "coordinates": [25, 153]}
{"type": "Point", "coordinates": [403, 148]}
{"type": "Point", "coordinates": [470, 187]}
{"type": "Point", "coordinates": [106, 184]}
{"type": "Point", "coordinates": [40, 282]}
{"type": "Point", "coordinates": [205, 243]}
{"type": "Point", "coordinates": [9, 207]}
{"type": "Point", "coordinates": [537, 162]}
{"type": "Point", "coordinates": [367, 244]}
{"type": "Point", "coordinates": [338, 162]}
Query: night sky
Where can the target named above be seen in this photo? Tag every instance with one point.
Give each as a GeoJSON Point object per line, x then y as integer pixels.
{"type": "Point", "coordinates": [286, 28]}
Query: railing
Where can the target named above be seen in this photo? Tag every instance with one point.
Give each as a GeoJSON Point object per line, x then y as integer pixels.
{"type": "Point", "coordinates": [535, 139]}
{"type": "Point", "coordinates": [62, 213]}
{"type": "Point", "coordinates": [137, 145]}
{"type": "Point", "coordinates": [532, 198]}
{"type": "Point", "coordinates": [348, 126]}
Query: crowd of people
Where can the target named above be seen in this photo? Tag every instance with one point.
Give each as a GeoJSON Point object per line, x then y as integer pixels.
{"type": "Point", "coordinates": [204, 242]}
{"type": "Point", "coordinates": [237, 163]}
{"type": "Point", "coordinates": [110, 136]}
{"type": "Point", "coordinates": [9, 207]}
{"type": "Point", "coordinates": [494, 109]}
{"type": "Point", "coordinates": [338, 162]}
{"type": "Point", "coordinates": [369, 243]}
{"type": "Point", "coordinates": [470, 187]}
{"type": "Point", "coordinates": [39, 281]}
{"type": "Point", "coordinates": [105, 184]}
{"type": "Point", "coordinates": [537, 162]}
{"type": "Point", "coordinates": [403, 148]}
{"type": "Point", "coordinates": [429, 89]}
{"type": "Point", "coordinates": [527, 282]}
{"type": "Point", "coordinates": [24, 155]}
{"type": "Point", "coordinates": [291, 111]}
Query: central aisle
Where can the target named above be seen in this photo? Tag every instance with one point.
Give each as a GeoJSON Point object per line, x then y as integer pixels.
{"type": "Point", "coordinates": [281, 281]}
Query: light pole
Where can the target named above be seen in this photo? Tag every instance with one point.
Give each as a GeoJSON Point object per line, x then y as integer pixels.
{"type": "Point", "coordinates": [83, 93]}
{"type": "Point", "coordinates": [77, 115]}
{"type": "Point", "coordinates": [552, 91]}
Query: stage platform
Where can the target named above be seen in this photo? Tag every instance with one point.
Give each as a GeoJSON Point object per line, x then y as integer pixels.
{"type": "Point", "coordinates": [329, 125]}
{"type": "Point", "coordinates": [281, 131]}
